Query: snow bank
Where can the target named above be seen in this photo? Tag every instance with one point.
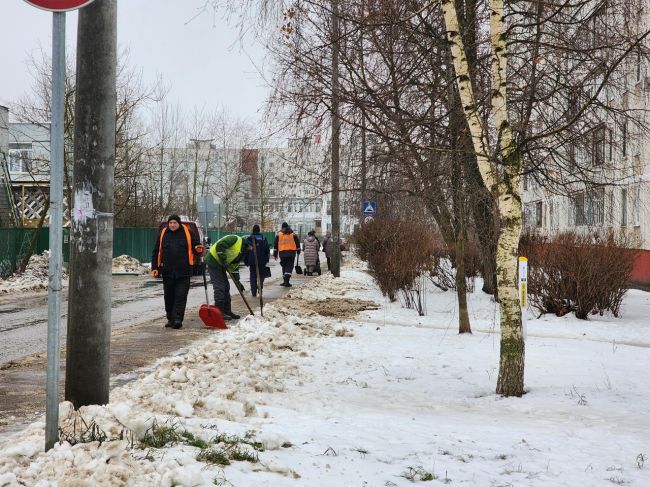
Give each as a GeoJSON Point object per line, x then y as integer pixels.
{"type": "Point", "coordinates": [35, 276]}
{"type": "Point", "coordinates": [125, 264]}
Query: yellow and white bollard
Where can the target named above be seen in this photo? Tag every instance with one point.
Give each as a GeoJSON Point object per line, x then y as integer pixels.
{"type": "Point", "coordinates": [523, 291]}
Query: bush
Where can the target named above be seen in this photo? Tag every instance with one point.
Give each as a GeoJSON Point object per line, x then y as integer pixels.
{"type": "Point", "coordinates": [397, 253]}
{"type": "Point", "coordinates": [443, 275]}
{"type": "Point", "coordinates": [581, 273]}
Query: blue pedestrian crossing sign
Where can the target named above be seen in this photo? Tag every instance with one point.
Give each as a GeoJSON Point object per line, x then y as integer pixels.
{"type": "Point", "coordinates": [369, 207]}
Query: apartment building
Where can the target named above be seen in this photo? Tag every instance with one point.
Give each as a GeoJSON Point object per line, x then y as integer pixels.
{"type": "Point", "coordinates": [616, 194]}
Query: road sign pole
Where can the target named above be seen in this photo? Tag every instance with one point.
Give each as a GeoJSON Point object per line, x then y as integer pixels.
{"type": "Point", "coordinates": [56, 232]}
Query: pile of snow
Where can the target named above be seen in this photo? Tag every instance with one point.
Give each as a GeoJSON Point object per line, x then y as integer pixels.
{"type": "Point", "coordinates": [125, 264]}
{"type": "Point", "coordinates": [35, 276]}
{"type": "Point", "coordinates": [384, 398]}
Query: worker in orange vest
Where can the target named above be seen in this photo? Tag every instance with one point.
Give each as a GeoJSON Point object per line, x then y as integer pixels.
{"type": "Point", "coordinates": [287, 246]}
{"type": "Point", "coordinates": [173, 258]}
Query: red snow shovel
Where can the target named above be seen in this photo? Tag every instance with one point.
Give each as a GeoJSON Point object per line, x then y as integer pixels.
{"type": "Point", "coordinates": [210, 315]}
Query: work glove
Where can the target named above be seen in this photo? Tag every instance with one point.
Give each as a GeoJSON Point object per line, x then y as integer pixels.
{"type": "Point", "coordinates": [199, 249]}
{"type": "Point", "coordinates": [154, 272]}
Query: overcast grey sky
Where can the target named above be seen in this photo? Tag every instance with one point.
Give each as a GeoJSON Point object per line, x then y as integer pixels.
{"type": "Point", "coordinates": [202, 59]}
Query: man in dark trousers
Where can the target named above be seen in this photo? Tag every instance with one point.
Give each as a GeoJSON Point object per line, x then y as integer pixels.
{"type": "Point", "coordinates": [263, 252]}
{"type": "Point", "coordinates": [174, 254]}
{"type": "Point", "coordinates": [287, 246]}
{"type": "Point", "coordinates": [226, 254]}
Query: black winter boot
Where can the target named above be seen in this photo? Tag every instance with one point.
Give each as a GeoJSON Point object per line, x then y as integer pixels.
{"type": "Point", "coordinates": [231, 315]}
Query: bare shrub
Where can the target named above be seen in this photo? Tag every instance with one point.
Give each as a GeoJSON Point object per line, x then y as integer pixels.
{"type": "Point", "coordinates": [585, 273]}
{"type": "Point", "coordinates": [443, 274]}
{"type": "Point", "coordinates": [397, 253]}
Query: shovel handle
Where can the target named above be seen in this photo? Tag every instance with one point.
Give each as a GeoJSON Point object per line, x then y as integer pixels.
{"type": "Point", "coordinates": [240, 293]}
{"type": "Point", "coordinates": [205, 283]}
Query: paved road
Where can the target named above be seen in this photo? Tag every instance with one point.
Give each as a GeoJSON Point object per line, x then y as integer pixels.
{"type": "Point", "coordinates": [136, 300]}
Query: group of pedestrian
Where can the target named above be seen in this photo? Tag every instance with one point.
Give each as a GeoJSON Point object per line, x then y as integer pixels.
{"type": "Point", "coordinates": [178, 249]}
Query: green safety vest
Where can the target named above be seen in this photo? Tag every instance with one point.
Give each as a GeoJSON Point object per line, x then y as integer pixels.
{"type": "Point", "coordinates": [231, 252]}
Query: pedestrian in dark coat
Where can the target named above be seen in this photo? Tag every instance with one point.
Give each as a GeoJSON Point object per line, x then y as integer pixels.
{"type": "Point", "coordinates": [176, 250]}
{"type": "Point", "coordinates": [328, 248]}
{"type": "Point", "coordinates": [310, 248]}
{"type": "Point", "coordinates": [263, 251]}
{"type": "Point", "coordinates": [287, 246]}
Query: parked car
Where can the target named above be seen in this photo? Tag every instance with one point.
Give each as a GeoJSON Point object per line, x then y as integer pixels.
{"type": "Point", "coordinates": [194, 228]}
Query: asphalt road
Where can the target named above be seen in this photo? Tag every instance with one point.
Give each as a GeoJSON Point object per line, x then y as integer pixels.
{"type": "Point", "coordinates": [136, 300]}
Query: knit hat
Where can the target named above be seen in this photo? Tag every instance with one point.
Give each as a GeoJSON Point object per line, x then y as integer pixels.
{"type": "Point", "coordinates": [284, 225]}
{"type": "Point", "coordinates": [174, 217]}
{"type": "Point", "coordinates": [256, 228]}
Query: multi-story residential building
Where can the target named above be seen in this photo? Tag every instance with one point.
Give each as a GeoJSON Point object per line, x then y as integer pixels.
{"type": "Point", "coordinates": [617, 194]}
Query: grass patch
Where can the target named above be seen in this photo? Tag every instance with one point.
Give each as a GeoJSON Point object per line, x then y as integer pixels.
{"type": "Point", "coordinates": [192, 440]}
{"type": "Point", "coordinates": [213, 456]}
{"type": "Point", "coordinates": [159, 436]}
{"type": "Point", "coordinates": [247, 439]}
{"type": "Point", "coordinates": [83, 432]}
{"type": "Point", "coordinates": [418, 473]}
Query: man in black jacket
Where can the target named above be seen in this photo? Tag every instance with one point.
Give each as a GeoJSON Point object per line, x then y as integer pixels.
{"type": "Point", "coordinates": [173, 257]}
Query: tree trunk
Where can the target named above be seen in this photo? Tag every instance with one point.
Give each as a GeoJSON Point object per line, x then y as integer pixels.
{"type": "Point", "coordinates": [89, 304]}
{"type": "Point", "coordinates": [484, 211]}
{"type": "Point", "coordinates": [511, 367]}
{"type": "Point", "coordinates": [461, 287]}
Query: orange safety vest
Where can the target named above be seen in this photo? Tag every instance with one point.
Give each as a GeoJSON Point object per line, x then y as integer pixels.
{"type": "Point", "coordinates": [189, 244]}
{"type": "Point", "coordinates": [286, 242]}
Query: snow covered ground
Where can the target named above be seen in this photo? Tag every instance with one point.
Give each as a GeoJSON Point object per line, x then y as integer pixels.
{"type": "Point", "coordinates": [321, 396]}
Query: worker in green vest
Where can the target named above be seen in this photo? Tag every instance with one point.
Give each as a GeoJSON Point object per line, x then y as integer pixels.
{"type": "Point", "coordinates": [227, 251]}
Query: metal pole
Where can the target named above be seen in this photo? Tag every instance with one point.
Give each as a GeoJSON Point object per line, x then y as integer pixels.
{"type": "Point", "coordinates": [336, 142]}
{"type": "Point", "coordinates": [56, 232]}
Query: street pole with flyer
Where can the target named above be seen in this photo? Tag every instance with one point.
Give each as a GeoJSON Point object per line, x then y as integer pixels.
{"type": "Point", "coordinates": [57, 147]}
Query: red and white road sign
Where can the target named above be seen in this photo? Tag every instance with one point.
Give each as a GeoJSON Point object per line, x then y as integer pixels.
{"type": "Point", "coordinates": [59, 5]}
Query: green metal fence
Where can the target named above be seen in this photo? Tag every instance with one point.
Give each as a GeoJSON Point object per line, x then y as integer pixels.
{"type": "Point", "coordinates": [14, 244]}
{"type": "Point", "coordinates": [136, 242]}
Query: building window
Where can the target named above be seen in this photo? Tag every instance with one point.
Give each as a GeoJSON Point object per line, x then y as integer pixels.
{"type": "Point", "coordinates": [624, 207]}
{"type": "Point", "coordinates": [636, 208]}
{"type": "Point", "coordinates": [20, 157]}
{"type": "Point", "coordinates": [577, 214]}
{"type": "Point", "coordinates": [539, 215]}
{"type": "Point", "coordinates": [596, 207]}
{"type": "Point", "coordinates": [639, 66]}
{"type": "Point", "coordinates": [610, 145]}
{"type": "Point", "coordinates": [624, 138]}
{"type": "Point", "coordinates": [598, 146]}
